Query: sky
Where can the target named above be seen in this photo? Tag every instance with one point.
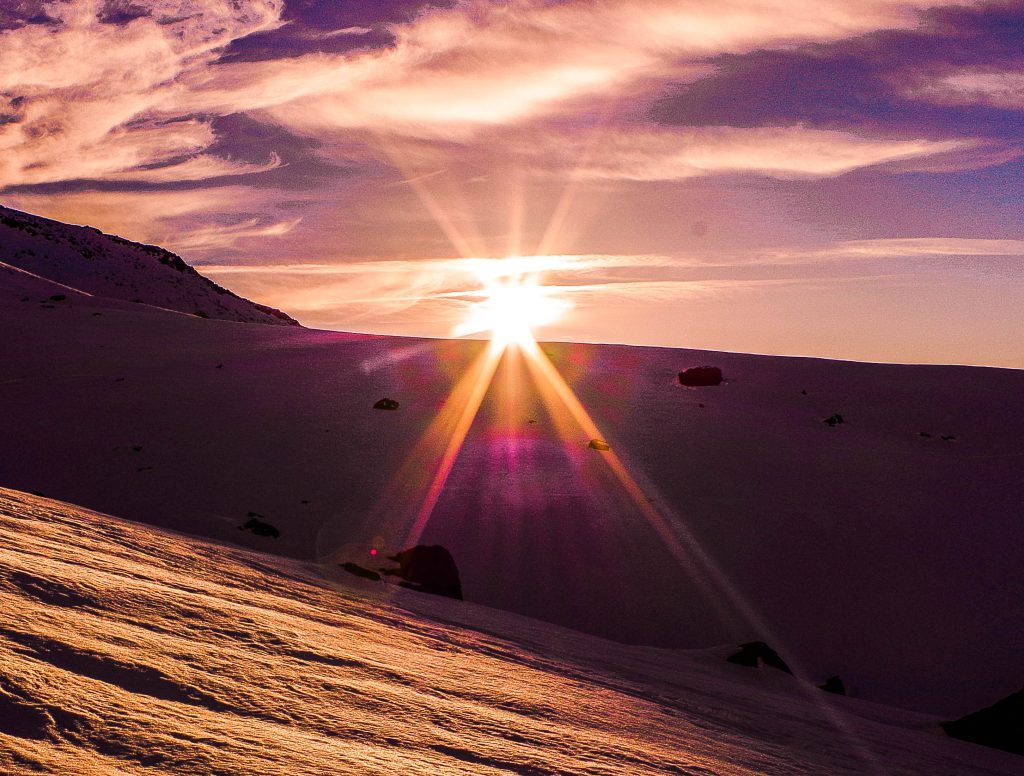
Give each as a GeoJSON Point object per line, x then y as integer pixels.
{"type": "Point", "coordinates": [835, 178]}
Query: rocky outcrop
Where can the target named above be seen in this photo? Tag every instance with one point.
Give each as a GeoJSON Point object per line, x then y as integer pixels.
{"type": "Point", "coordinates": [359, 571]}
{"type": "Point", "coordinates": [757, 653]}
{"type": "Point", "coordinates": [701, 376]}
{"type": "Point", "coordinates": [427, 569]}
{"type": "Point", "coordinates": [1000, 726]}
{"type": "Point", "coordinates": [833, 685]}
{"type": "Point", "coordinates": [259, 527]}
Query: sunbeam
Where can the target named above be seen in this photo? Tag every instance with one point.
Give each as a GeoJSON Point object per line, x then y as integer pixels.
{"type": "Point", "coordinates": [474, 386]}
{"type": "Point", "coordinates": [410, 502]}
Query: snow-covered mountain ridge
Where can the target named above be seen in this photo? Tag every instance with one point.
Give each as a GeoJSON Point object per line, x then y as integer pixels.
{"type": "Point", "coordinates": [109, 266]}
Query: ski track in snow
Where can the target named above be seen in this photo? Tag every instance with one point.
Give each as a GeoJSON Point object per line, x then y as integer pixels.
{"type": "Point", "coordinates": [128, 650]}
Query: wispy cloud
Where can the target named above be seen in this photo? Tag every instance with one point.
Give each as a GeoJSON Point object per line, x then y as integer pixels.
{"type": "Point", "coordinates": [486, 64]}
{"type": "Point", "coordinates": [212, 238]}
{"type": "Point", "coordinates": [197, 223]}
{"type": "Point", "coordinates": [82, 96]}
{"type": "Point", "coordinates": [972, 86]}
{"type": "Point", "coordinates": [437, 297]}
{"type": "Point", "coordinates": [196, 168]}
{"type": "Point", "coordinates": [379, 289]}
{"type": "Point", "coordinates": [120, 101]}
{"type": "Point", "coordinates": [898, 248]}
{"type": "Point", "coordinates": [656, 154]}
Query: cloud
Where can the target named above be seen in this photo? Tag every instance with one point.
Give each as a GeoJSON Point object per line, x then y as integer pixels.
{"type": "Point", "coordinates": [197, 223]}
{"type": "Point", "coordinates": [658, 154]}
{"type": "Point", "coordinates": [896, 82]}
{"type": "Point", "coordinates": [999, 89]}
{"type": "Point", "coordinates": [210, 238]}
{"type": "Point", "coordinates": [377, 290]}
{"type": "Point", "coordinates": [195, 168]}
{"type": "Point", "coordinates": [437, 297]}
{"type": "Point", "coordinates": [81, 94]}
{"type": "Point", "coordinates": [451, 273]}
{"type": "Point", "coordinates": [923, 246]}
{"type": "Point", "coordinates": [136, 100]}
{"type": "Point", "coordinates": [485, 64]}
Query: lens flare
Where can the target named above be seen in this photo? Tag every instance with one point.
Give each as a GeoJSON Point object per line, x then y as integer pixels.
{"type": "Point", "coordinates": [510, 304]}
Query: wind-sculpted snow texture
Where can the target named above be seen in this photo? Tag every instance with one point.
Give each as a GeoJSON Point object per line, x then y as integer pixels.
{"type": "Point", "coordinates": [129, 650]}
{"type": "Point", "coordinates": [112, 267]}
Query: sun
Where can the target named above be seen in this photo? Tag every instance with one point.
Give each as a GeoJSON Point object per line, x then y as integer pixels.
{"type": "Point", "coordinates": [510, 305]}
{"type": "Point", "coordinates": [512, 308]}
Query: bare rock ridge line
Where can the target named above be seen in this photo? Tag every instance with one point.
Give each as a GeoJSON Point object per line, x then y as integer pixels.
{"type": "Point", "coordinates": [85, 259]}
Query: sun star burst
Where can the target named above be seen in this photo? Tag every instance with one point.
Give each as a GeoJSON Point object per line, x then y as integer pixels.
{"type": "Point", "coordinates": [510, 305]}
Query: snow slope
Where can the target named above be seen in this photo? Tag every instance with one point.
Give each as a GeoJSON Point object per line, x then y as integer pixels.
{"type": "Point", "coordinates": [864, 550]}
{"type": "Point", "coordinates": [130, 650]}
{"type": "Point", "coordinates": [104, 265]}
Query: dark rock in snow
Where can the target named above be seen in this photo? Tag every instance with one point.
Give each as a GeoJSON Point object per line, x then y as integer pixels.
{"type": "Point", "coordinates": [948, 438]}
{"type": "Point", "coordinates": [834, 685]}
{"type": "Point", "coordinates": [58, 298]}
{"type": "Point", "coordinates": [258, 527]}
{"type": "Point", "coordinates": [599, 444]}
{"type": "Point", "coordinates": [1000, 726]}
{"type": "Point", "coordinates": [428, 569]}
{"type": "Point", "coordinates": [755, 653]}
{"type": "Point", "coordinates": [926, 435]}
{"type": "Point", "coordinates": [359, 571]}
{"type": "Point", "coordinates": [701, 376]}
{"type": "Point", "coordinates": [386, 404]}
{"type": "Point", "coordinates": [834, 420]}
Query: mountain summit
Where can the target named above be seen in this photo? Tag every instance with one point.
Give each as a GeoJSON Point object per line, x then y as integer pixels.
{"type": "Point", "coordinates": [105, 265]}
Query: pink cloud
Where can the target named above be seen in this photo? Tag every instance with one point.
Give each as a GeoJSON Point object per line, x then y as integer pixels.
{"type": "Point", "coordinates": [197, 223]}
{"type": "Point", "coordinates": [119, 102]}
{"type": "Point", "coordinates": [971, 86]}
{"type": "Point", "coordinates": [661, 154]}
{"type": "Point", "coordinates": [484, 64]}
{"type": "Point", "coordinates": [81, 95]}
